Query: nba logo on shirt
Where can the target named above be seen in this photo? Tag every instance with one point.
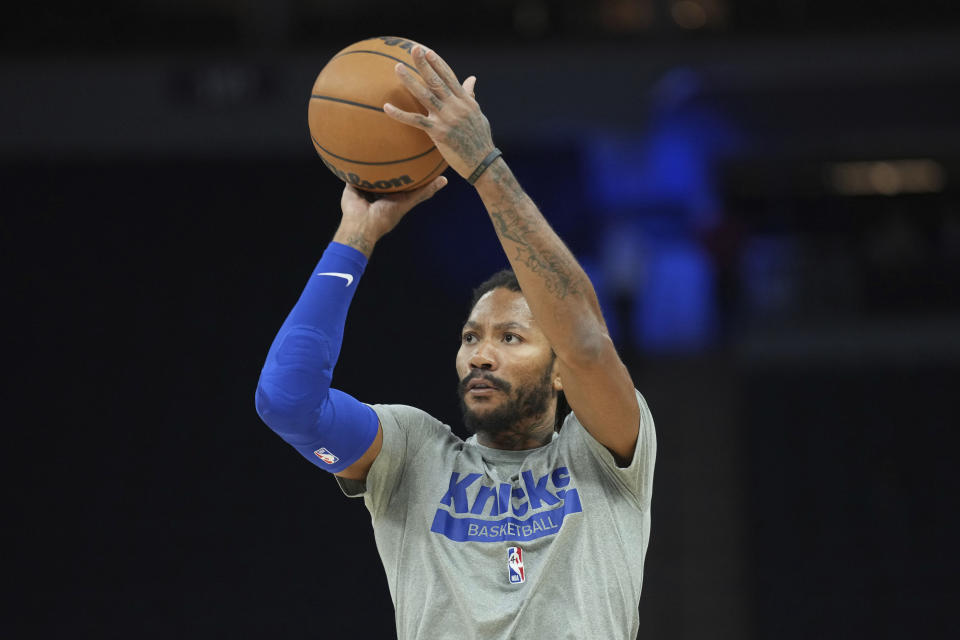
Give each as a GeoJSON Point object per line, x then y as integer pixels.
{"type": "Point", "coordinates": [325, 455]}
{"type": "Point", "coordinates": [515, 565]}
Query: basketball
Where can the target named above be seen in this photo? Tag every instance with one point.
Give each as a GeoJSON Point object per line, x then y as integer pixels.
{"type": "Point", "coordinates": [355, 139]}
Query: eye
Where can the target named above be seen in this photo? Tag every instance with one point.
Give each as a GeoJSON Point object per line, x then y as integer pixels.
{"type": "Point", "coordinates": [512, 338]}
{"type": "Point", "coordinates": [468, 338]}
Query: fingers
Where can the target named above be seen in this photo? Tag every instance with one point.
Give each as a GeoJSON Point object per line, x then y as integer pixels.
{"type": "Point", "coordinates": [446, 73]}
{"type": "Point", "coordinates": [469, 84]}
{"type": "Point", "coordinates": [424, 96]}
{"type": "Point", "coordinates": [400, 203]}
{"type": "Point", "coordinates": [429, 190]}
{"type": "Point", "coordinates": [417, 120]}
{"type": "Point", "coordinates": [434, 82]}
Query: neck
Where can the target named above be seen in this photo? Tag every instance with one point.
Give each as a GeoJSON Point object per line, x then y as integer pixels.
{"type": "Point", "coordinates": [525, 435]}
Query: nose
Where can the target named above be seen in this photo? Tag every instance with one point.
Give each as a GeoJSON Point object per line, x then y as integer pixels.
{"type": "Point", "coordinates": [484, 356]}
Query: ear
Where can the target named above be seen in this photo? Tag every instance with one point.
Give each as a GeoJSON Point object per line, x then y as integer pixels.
{"type": "Point", "coordinates": [557, 383]}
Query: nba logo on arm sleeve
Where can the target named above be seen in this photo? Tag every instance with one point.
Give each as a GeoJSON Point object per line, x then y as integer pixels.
{"type": "Point", "coordinates": [324, 454]}
{"type": "Point", "coordinates": [515, 565]}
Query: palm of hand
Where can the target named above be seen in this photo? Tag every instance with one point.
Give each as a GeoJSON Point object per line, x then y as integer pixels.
{"type": "Point", "coordinates": [377, 217]}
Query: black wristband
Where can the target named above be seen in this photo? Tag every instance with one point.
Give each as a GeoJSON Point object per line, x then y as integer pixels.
{"type": "Point", "coordinates": [493, 155]}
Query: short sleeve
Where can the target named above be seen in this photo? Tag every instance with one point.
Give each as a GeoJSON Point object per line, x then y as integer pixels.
{"type": "Point", "coordinates": [637, 477]}
{"type": "Point", "coordinates": [405, 431]}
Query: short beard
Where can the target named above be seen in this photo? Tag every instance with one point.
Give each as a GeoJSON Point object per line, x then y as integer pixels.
{"type": "Point", "coordinates": [526, 404]}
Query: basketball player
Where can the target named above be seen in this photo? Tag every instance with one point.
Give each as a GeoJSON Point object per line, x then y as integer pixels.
{"type": "Point", "coordinates": [537, 525]}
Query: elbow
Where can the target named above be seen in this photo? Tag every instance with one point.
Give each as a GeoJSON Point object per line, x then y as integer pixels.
{"type": "Point", "coordinates": [590, 347]}
{"type": "Point", "coordinates": [295, 383]}
{"type": "Point", "coordinates": [286, 414]}
{"type": "Point", "coordinates": [267, 409]}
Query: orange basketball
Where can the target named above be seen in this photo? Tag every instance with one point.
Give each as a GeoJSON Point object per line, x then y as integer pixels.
{"type": "Point", "coordinates": [354, 137]}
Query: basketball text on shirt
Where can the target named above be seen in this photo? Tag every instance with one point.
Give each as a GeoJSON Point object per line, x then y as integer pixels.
{"type": "Point", "coordinates": [545, 501]}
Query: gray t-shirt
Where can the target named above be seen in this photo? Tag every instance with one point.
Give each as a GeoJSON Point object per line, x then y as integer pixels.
{"type": "Point", "coordinates": [485, 543]}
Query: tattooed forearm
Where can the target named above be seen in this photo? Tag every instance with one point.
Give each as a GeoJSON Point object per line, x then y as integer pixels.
{"type": "Point", "coordinates": [537, 246]}
{"type": "Point", "coordinates": [504, 179]}
{"type": "Point", "coordinates": [554, 268]}
{"type": "Point", "coordinates": [557, 289]}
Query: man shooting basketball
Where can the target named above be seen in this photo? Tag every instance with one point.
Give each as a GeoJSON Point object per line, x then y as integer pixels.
{"type": "Point", "coordinates": [537, 525]}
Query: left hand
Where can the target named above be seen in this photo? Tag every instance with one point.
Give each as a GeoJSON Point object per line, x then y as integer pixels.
{"type": "Point", "coordinates": [454, 120]}
{"type": "Point", "coordinates": [364, 222]}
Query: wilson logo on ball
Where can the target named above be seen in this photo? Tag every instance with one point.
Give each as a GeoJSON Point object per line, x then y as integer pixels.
{"type": "Point", "coordinates": [357, 181]}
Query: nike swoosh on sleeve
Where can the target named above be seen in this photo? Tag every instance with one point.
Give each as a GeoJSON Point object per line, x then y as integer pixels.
{"type": "Point", "coordinates": [345, 276]}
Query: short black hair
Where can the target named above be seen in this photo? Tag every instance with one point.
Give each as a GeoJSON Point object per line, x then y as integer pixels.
{"type": "Point", "coordinates": [507, 279]}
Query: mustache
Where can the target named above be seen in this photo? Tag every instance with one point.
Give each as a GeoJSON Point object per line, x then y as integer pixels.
{"type": "Point", "coordinates": [489, 378]}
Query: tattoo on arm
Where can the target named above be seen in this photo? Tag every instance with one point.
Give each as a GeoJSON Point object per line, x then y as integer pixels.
{"type": "Point", "coordinates": [358, 242]}
{"type": "Point", "coordinates": [553, 264]}
{"type": "Point", "coordinates": [471, 139]}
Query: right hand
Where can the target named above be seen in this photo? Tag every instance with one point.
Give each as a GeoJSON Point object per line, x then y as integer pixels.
{"type": "Point", "coordinates": [454, 120]}
{"type": "Point", "coordinates": [364, 222]}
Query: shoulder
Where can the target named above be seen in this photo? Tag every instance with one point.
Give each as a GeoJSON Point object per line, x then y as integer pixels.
{"type": "Point", "coordinates": [573, 429]}
{"type": "Point", "coordinates": [636, 477]}
{"type": "Point", "coordinates": [407, 418]}
{"type": "Point", "coordinates": [401, 411]}
{"type": "Point", "coordinates": [411, 438]}
{"type": "Point", "coordinates": [408, 429]}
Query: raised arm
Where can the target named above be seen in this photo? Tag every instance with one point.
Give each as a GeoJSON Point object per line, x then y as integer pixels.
{"type": "Point", "coordinates": [561, 297]}
{"type": "Point", "coordinates": [294, 398]}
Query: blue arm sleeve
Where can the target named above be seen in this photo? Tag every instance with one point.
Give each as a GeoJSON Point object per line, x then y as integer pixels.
{"type": "Point", "coordinates": [294, 398]}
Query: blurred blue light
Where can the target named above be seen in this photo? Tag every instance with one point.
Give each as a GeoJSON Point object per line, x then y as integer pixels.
{"type": "Point", "coordinates": [665, 169]}
{"type": "Point", "coordinates": [654, 194]}
{"type": "Point", "coordinates": [677, 310]}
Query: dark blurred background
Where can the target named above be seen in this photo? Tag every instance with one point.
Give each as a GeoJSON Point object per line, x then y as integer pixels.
{"type": "Point", "coordinates": [766, 195]}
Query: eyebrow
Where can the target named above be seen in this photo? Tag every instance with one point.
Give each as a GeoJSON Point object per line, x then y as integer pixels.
{"type": "Point", "coordinates": [470, 324]}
